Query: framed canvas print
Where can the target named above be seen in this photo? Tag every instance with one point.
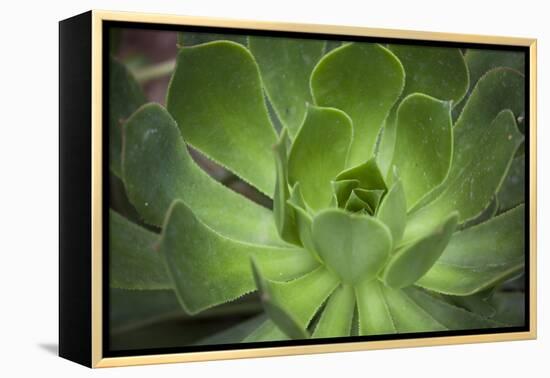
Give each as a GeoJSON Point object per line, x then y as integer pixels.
{"type": "Point", "coordinates": [234, 189]}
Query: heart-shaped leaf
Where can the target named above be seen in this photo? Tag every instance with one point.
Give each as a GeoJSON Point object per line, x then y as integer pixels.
{"type": "Point", "coordinates": [158, 169]}
{"type": "Point", "coordinates": [286, 65]}
{"type": "Point", "coordinates": [216, 98]}
{"type": "Point", "coordinates": [364, 80]}
{"type": "Point", "coordinates": [319, 152]}
{"type": "Point", "coordinates": [355, 247]}
{"type": "Point", "coordinates": [208, 269]}
{"type": "Point", "coordinates": [412, 261]}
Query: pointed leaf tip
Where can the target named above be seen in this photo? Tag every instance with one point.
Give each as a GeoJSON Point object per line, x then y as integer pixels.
{"type": "Point", "coordinates": [412, 261]}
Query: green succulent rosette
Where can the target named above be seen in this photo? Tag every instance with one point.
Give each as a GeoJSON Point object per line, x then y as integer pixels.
{"type": "Point", "coordinates": [395, 173]}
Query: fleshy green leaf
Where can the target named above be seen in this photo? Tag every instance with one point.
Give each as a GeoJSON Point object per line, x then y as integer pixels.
{"type": "Point", "coordinates": [129, 309]}
{"type": "Point", "coordinates": [303, 219]}
{"type": "Point", "coordinates": [187, 39]}
{"type": "Point", "coordinates": [342, 190]}
{"type": "Point", "coordinates": [439, 72]}
{"type": "Point", "coordinates": [413, 260]}
{"type": "Point", "coordinates": [291, 305]}
{"type": "Point", "coordinates": [282, 211]}
{"type": "Point", "coordinates": [371, 196]}
{"type": "Point", "coordinates": [406, 314]}
{"type": "Point", "coordinates": [134, 263]}
{"type": "Point", "coordinates": [449, 316]}
{"type": "Point", "coordinates": [510, 308]}
{"type": "Point", "coordinates": [355, 203]}
{"type": "Point", "coordinates": [286, 65]}
{"type": "Point", "coordinates": [158, 169]}
{"type": "Point", "coordinates": [336, 318]}
{"type": "Point", "coordinates": [208, 269]}
{"type": "Point", "coordinates": [331, 45]}
{"type": "Point", "coordinates": [236, 333]}
{"type": "Point", "coordinates": [512, 191]}
{"type": "Point", "coordinates": [368, 174]}
{"type": "Point", "coordinates": [364, 80]}
{"type": "Point", "coordinates": [434, 71]}
{"type": "Point", "coordinates": [474, 177]}
{"type": "Point", "coordinates": [476, 303]}
{"type": "Point", "coordinates": [216, 98]}
{"type": "Point", "coordinates": [424, 144]}
{"type": "Point", "coordinates": [375, 317]}
{"type": "Point", "coordinates": [125, 96]}
{"type": "Point", "coordinates": [318, 153]}
{"type": "Point", "coordinates": [283, 318]}
{"type": "Point", "coordinates": [481, 61]}
{"type": "Point", "coordinates": [414, 310]}
{"type": "Point", "coordinates": [481, 256]}
{"type": "Point", "coordinates": [489, 212]}
{"type": "Point", "coordinates": [355, 247]}
{"type": "Point", "coordinates": [267, 331]}
{"type": "Point", "coordinates": [498, 90]}
{"type": "Point", "coordinates": [393, 211]}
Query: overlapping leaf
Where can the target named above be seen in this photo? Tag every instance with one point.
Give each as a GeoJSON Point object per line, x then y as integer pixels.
{"type": "Point", "coordinates": [134, 262]}
{"type": "Point", "coordinates": [286, 65]}
{"type": "Point", "coordinates": [364, 80]}
{"type": "Point", "coordinates": [319, 153]}
{"type": "Point", "coordinates": [125, 96]}
{"type": "Point", "coordinates": [485, 140]}
{"type": "Point", "coordinates": [480, 256]}
{"type": "Point", "coordinates": [158, 170]}
{"type": "Point", "coordinates": [216, 98]}
{"type": "Point", "coordinates": [208, 269]}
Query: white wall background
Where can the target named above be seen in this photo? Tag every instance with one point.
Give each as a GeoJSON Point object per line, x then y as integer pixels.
{"type": "Point", "coordinates": [29, 189]}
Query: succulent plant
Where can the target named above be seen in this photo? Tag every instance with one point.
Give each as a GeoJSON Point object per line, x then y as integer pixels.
{"type": "Point", "coordinates": [395, 174]}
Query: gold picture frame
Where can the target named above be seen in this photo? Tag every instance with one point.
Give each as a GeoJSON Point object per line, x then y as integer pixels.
{"type": "Point", "coordinates": [95, 20]}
